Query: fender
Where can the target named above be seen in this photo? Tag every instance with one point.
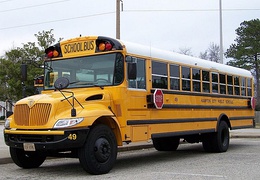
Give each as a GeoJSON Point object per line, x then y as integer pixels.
{"type": "Point", "coordinates": [101, 114]}
{"type": "Point", "coordinates": [91, 113]}
{"type": "Point", "coordinates": [223, 117]}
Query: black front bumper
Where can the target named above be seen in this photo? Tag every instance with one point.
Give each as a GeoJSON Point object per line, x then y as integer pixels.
{"type": "Point", "coordinates": [70, 139]}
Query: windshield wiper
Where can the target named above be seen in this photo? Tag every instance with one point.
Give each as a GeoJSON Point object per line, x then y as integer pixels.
{"type": "Point", "coordinates": [101, 87]}
{"type": "Point", "coordinates": [87, 83]}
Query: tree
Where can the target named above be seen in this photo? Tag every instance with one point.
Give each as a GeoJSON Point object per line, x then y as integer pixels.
{"type": "Point", "coordinates": [212, 53]}
{"type": "Point", "coordinates": [185, 51]}
{"type": "Point", "coordinates": [246, 51]}
{"type": "Point", "coordinates": [204, 55]}
{"type": "Point", "coordinates": [10, 66]}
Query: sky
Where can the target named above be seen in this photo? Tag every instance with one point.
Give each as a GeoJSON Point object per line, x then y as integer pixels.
{"type": "Point", "coordinates": [166, 24]}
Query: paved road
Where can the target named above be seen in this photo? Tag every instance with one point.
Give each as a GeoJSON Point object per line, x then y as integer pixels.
{"type": "Point", "coordinates": [242, 133]}
{"type": "Point", "coordinates": [4, 150]}
{"type": "Point", "coordinates": [240, 162]}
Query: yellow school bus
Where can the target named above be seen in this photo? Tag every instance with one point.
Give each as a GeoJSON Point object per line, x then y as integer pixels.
{"type": "Point", "coordinates": [100, 93]}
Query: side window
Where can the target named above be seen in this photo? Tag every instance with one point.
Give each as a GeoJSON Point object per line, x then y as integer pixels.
{"type": "Point", "coordinates": [175, 77]}
{"type": "Point", "coordinates": [236, 85]}
{"type": "Point", "coordinates": [230, 84]}
{"type": "Point", "coordinates": [159, 75]}
{"type": "Point", "coordinates": [185, 78]}
{"type": "Point", "coordinates": [196, 80]}
{"type": "Point", "coordinates": [249, 87]}
{"type": "Point", "coordinates": [205, 81]}
{"type": "Point", "coordinates": [243, 86]}
{"type": "Point", "coordinates": [222, 82]}
{"type": "Point", "coordinates": [140, 81]}
{"type": "Point", "coordinates": [214, 77]}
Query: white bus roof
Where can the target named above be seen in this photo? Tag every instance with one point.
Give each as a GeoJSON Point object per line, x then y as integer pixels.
{"type": "Point", "coordinates": [147, 51]}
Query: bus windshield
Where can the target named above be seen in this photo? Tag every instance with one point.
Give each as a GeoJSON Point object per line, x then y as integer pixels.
{"type": "Point", "coordinates": [99, 70]}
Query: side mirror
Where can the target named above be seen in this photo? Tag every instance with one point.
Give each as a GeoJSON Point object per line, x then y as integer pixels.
{"type": "Point", "coordinates": [24, 72]}
{"type": "Point", "coordinates": [61, 83]}
{"type": "Point", "coordinates": [131, 70]}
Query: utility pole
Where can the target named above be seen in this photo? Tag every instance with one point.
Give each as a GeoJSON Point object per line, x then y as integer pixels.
{"type": "Point", "coordinates": [220, 31]}
{"type": "Point", "coordinates": [118, 18]}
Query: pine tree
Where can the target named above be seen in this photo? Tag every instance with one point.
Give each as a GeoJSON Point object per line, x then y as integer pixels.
{"type": "Point", "coordinates": [245, 53]}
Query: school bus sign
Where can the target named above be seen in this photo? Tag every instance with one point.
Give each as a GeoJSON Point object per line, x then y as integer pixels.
{"type": "Point", "coordinates": [158, 98]}
{"type": "Point", "coordinates": [78, 47]}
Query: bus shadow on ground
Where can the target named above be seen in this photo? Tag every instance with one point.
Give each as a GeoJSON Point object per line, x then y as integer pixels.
{"type": "Point", "coordinates": [70, 167]}
{"type": "Point", "coordinates": [186, 152]}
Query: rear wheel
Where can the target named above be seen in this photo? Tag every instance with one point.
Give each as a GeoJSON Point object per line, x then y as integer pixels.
{"type": "Point", "coordinates": [219, 141]}
{"type": "Point", "coordinates": [166, 143]}
{"type": "Point", "coordinates": [99, 153]}
{"type": "Point", "coordinates": [27, 159]}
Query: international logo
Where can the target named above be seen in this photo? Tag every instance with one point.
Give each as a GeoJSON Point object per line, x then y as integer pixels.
{"type": "Point", "coordinates": [31, 103]}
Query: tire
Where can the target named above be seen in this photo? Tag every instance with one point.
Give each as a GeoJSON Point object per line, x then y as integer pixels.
{"type": "Point", "coordinates": [99, 153]}
{"type": "Point", "coordinates": [219, 141]}
{"type": "Point", "coordinates": [25, 159]}
{"type": "Point", "coordinates": [166, 143]}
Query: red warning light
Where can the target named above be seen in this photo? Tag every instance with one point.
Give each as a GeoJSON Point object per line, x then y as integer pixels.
{"type": "Point", "coordinates": [105, 46]}
{"type": "Point", "coordinates": [50, 54]}
{"type": "Point", "coordinates": [53, 51]}
{"type": "Point", "coordinates": [108, 46]}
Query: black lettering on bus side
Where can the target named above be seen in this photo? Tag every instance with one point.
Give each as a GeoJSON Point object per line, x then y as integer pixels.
{"type": "Point", "coordinates": [77, 47]}
{"type": "Point", "coordinates": [88, 45]}
{"type": "Point", "coordinates": [66, 49]}
{"type": "Point", "coordinates": [91, 45]}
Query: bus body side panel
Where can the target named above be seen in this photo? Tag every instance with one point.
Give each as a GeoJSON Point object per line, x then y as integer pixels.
{"type": "Point", "coordinates": [186, 114]}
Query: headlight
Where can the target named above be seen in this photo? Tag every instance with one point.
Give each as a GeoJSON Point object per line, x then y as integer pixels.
{"type": "Point", "coordinates": [7, 124]}
{"type": "Point", "coordinates": [63, 123]}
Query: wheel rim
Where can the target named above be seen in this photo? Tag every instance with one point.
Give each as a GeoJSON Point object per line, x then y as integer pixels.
{"type": "Point", "coordinates": [102, 150]}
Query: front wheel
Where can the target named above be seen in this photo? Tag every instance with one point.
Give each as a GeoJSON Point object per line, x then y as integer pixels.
{"type": "Point", "coordinates": [26, 159]}
{"type": "Point", "coordinates": [99, 153]}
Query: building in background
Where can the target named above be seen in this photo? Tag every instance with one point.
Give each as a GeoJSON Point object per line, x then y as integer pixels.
{"type": "Point", "coordinates": [2, 108]}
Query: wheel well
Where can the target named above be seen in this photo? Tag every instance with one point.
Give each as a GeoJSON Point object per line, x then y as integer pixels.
{"type": "Point", "coordinates": [110, 122]}
{"type": "Point", "coordinates": [224, 117]}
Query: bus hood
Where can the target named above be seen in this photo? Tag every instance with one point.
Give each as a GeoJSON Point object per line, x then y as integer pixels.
{"type": "Point", "coordinates": [43, 110]}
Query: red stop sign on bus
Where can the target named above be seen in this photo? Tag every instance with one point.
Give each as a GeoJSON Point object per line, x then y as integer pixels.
{"type": "Point", "coordinates": [158, 98]}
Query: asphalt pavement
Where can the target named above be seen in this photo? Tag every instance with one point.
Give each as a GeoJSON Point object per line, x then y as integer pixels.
{"type": "Point", "coordinates": [240, 133]}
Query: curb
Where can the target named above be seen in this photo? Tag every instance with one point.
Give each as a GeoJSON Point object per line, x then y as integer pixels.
{"type": "Point", "coordinates": [7, 160]}
{"type": "Point", "coordinates": [245, 136]}
{"type": "Point", "coordinates": [132, 148]}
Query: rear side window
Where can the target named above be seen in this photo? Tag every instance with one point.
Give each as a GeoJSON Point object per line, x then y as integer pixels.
{"type": "Point", "coordinates": [159, 75]}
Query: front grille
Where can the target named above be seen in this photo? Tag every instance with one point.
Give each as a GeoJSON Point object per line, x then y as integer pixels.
{"type": "Point", "coordinates": [37, 115]}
